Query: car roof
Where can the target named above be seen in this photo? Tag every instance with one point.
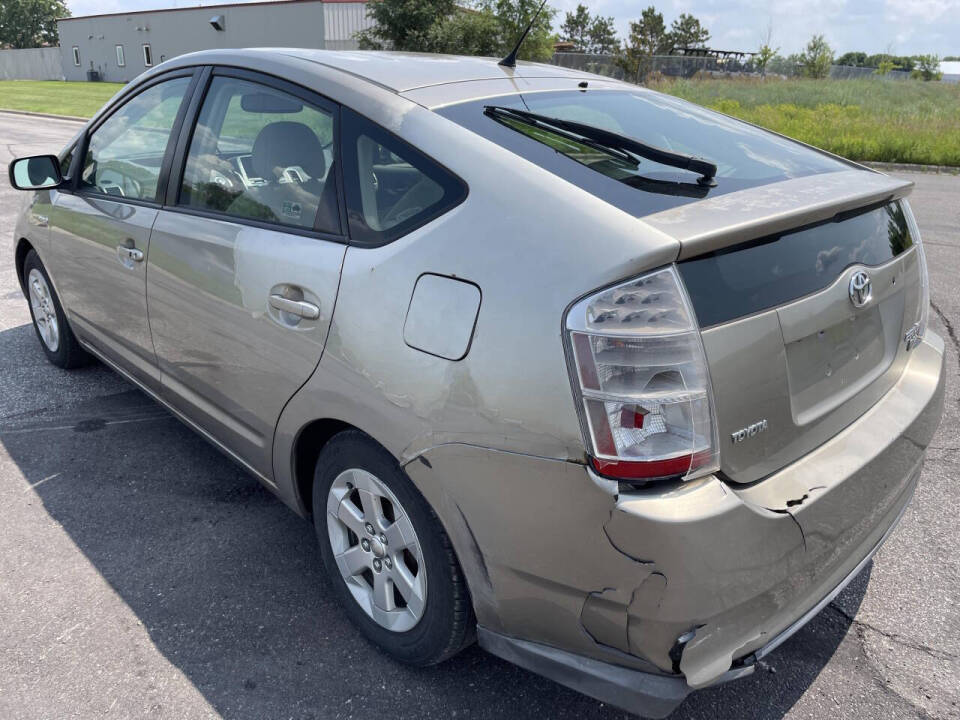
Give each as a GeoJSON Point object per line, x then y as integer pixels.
{"type": "Point", "coordinates": [403, 71]}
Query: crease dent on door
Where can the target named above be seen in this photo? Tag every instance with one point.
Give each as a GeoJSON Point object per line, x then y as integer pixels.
{"type": "Point", "coordinates": [229, 359]}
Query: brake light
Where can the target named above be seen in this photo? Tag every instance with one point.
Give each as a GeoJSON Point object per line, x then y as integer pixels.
{"type": "Point", "coordinates": [641, 380]}
{"type": "Point", "coordinates": [923, 307]}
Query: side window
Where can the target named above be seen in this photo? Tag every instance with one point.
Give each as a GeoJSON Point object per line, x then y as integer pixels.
{"type": "Point", "coordinates": [258, 153]}
{"type": "Point", "coordinates": [391, 188]}
{"type": "Point", "coordinates": [125, 153]}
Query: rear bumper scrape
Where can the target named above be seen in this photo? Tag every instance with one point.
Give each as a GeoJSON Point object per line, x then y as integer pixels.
{"type": "Point", "coordinates": [650, 695]}
{"type": "Point", "coordinates": [656, 696]}
{"type": "Point", "coordinates": [745, 563]}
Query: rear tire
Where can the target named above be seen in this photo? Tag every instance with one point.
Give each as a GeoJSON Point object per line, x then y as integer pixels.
{"type": "Point", "coordinates": [407, 595]}
{"type": "Point", "coordinates": [49, 320]}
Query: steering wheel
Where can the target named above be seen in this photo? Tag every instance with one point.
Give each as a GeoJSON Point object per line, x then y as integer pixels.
{"type": "Point", "coordinates": [121, 187]}
{"type": "Point", "coordinates": [225, 181]}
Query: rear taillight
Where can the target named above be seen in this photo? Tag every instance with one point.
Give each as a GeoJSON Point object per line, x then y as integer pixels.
{"type": "Point", "coordinates": [641, 380]}
{"type": "Point", "coordinates": [923, 309]}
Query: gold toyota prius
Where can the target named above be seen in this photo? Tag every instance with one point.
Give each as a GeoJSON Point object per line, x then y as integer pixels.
{"type": "Point", "coordinates": [622, 388]}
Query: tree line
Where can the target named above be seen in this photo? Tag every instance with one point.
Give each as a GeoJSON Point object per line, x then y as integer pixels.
{"type": "Point", "coordinates": [482, 27]}
{"type": "Point", "coordinates": [491, 27]}
{"type": "Point", "coordinates": [815, 61]}
{"type": "Point", "coordinates": [30, 23]}
{"type": "Point", "coordinates": [923, 66]}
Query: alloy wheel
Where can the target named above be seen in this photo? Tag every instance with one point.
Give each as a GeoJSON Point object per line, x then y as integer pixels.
{"type": "Point", "coordinates": [377, 550]}
{"type": "Point", "coordinates": [44, 311]}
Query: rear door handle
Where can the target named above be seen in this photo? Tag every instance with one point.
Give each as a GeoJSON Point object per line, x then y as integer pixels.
{"type": "Point", "coordinates": [300, 308]}
{"type": "Point", "coordinates": [129, 253]}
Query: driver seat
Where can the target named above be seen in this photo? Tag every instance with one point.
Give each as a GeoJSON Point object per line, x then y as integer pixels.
{"type": "Point", "coordinates": [278, 146]}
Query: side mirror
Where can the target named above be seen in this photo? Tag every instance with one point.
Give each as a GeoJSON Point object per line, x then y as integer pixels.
{"type": "Point", "coordinates": [41, 172]}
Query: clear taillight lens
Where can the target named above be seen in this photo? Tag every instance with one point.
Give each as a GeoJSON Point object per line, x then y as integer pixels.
{"type": "Point", "coordinates": [923, 311]}
{"type": "Point", "coordinates": [641, 377]}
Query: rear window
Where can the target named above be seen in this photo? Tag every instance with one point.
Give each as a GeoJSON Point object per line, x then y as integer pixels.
{"type": "Point", "coordinates": [746, 156]}
{"type": "Point", "coordinates": [765, 273]}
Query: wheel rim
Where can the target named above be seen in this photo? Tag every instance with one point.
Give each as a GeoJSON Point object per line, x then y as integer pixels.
{"type": "Point", "coordinates": [377, 550]}
{"type": "Point", "coordinates": [44, 312]}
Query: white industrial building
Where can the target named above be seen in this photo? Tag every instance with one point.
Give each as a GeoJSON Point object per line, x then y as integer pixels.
{"type": "Point", "coordinates": [119, 46]}
{"type": "Point", "coordinates": [950, 70]}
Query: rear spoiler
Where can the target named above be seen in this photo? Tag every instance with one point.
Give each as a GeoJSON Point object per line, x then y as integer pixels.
{"type": "Point", "coordinates": [745, 215]}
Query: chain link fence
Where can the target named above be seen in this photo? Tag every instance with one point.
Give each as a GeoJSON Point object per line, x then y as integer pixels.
{"type": "Point", "coordinates": [605, 65]}
{"type": "Point", "coordinates": [849, 72]}
{"type": "Point", "coordinates": [689, 66]}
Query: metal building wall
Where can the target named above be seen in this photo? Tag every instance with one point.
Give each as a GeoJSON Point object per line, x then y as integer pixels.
{"type": "Point", "coordinates": [175, 32]}
{"type": "Point", "coordinates": [31, 64]}
{"type": "Point", "coordinates": [342, 20]}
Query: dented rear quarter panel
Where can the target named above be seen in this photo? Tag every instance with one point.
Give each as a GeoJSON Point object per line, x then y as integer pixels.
{"type": "Point", "coordinates": [532, 243]}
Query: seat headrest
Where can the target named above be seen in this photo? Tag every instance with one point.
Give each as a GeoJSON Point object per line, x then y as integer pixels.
{"type": "Point", "coordinates": [282, 144]}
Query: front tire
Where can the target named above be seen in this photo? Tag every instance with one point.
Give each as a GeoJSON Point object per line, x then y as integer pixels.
{"type": "Point", "coordinates": [49, 320]}
{"type": "Point", "coordinates": [390, 563]}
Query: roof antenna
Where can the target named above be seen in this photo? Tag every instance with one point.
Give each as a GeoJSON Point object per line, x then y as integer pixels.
{"type": "Point", "coordinates": [510, 60]}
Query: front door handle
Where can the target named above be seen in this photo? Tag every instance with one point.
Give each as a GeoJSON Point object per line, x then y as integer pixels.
{"type": "Point", "coordinates": [129, 254]}
{"type": "Point", "coordinates": [300, 308]}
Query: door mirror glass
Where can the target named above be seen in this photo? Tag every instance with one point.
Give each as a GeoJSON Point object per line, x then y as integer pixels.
{"type": "Point", "coordinates": [40, 172]}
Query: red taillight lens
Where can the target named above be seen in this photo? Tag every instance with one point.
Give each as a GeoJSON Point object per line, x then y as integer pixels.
{"type": "Point", "coordinates": [632, 417]}
{"type": "Point", "coordinates": [642, 380]}
{"type": "Point", "coordinates": [648, 470]}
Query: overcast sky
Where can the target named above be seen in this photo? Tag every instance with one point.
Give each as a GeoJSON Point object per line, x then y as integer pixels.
{"type": "Point", "coordinates": [905, 27]}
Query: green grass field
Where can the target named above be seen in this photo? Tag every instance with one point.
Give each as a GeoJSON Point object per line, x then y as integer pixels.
{"type": "Point", "coordinates": [870, 119]}
{"type": "Point", "coordinates": [59, 98]}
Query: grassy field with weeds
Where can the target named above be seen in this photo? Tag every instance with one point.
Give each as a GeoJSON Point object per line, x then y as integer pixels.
{"type": "Point", "coordinates": [80, 99]}
{"type": "Point", "coordinates": [868, 119]}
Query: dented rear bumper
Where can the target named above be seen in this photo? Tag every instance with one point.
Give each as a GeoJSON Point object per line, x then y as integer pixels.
{"type": "Point", "coordinates": [680, 587]}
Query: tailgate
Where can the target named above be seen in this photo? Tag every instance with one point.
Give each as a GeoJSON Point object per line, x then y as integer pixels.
{"type": "Point", "coordinates": [804, 291]}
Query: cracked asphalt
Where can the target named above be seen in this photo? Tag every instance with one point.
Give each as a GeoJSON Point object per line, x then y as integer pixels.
{"type": "Point", "coordinates": [142, 574]}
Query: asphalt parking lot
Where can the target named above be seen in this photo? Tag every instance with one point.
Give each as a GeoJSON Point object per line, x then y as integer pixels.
{"type": "Point", "coordinates": [142, 574]}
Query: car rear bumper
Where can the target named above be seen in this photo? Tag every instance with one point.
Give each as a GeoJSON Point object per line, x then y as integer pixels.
{"type": "Point", "coordinates": [650, 694]}
{"type": "Point", "coordinates": [638, 597]}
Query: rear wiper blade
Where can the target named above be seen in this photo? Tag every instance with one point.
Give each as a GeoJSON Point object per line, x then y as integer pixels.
{"type": "Point", "coordinates": [608, 141]}
{"type": "Point", "coordinates": [499, 113]}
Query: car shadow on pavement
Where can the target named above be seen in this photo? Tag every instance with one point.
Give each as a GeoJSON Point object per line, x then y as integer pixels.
{"type": "Point", "coordinates": [228, 583]}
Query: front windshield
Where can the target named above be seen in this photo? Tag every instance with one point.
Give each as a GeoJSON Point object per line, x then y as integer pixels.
{"type": "Point", "coordinates": [745, 156]}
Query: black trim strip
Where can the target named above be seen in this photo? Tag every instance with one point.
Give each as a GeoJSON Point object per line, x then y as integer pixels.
{"type": "Point", "coordinates": [175, 175]}
{"type": "Point", "coordinates": [766, 239]}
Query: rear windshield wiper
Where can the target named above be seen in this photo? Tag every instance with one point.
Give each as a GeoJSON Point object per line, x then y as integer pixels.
{"type": "Point", "coordinates": [607, 141]}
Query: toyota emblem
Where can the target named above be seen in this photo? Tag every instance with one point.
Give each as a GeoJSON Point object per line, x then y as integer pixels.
{"type": "Point", "coordinates": [860, 289]}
